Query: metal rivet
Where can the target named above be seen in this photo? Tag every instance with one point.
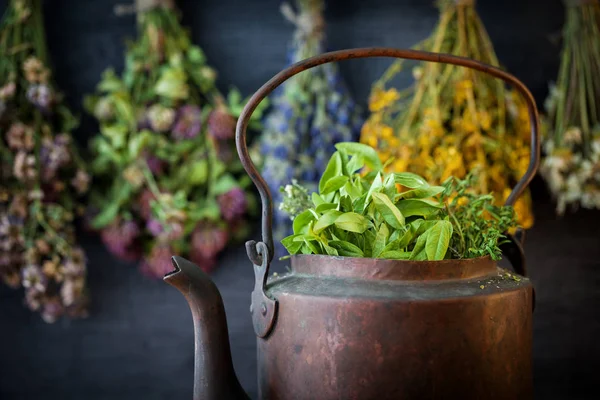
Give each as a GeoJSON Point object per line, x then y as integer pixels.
{"type": "Point", "coordinates": [263, 309]}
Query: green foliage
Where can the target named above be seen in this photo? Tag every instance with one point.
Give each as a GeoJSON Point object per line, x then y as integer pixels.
{"type": "Point", "coordinates": [371, 215]}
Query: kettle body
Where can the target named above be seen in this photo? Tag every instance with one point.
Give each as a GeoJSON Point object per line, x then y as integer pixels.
{"type": "Point", "coordinates": [350, 328]}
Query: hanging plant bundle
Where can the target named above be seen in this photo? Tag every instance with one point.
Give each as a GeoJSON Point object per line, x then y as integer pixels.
{"type": "Point", "coordinates": [168, 176]}
{"type": "Point", "coordinates": [41, 175]}
{"type": "Point", "coordinates": [309, 114]}
{"type": "Point", "coordinates": [453, 120]}
{"type": "Point", "coordinates": [572, 143]}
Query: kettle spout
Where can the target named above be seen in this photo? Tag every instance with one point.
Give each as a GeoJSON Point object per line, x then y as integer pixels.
{"type": "Point", "coordinates": [214, 376]}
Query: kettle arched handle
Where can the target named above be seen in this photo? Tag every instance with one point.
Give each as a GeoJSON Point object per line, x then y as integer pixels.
{"type": "Point", "coordinates": [242, 123]}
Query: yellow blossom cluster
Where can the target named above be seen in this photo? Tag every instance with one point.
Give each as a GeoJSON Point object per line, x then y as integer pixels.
{"type": "Point", "coordinates": [453, 120]}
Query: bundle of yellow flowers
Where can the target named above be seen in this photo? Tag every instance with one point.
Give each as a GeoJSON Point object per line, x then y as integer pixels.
{"type": "Point", "coordinates": [453, 120]}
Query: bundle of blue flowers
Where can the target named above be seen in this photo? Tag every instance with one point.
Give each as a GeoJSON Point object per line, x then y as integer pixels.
{"type": "Point", "coordinates": [310, 113]}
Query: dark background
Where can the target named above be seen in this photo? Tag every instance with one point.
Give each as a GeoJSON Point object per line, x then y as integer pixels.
{"type": "Point", "coordinates": [138, 341]}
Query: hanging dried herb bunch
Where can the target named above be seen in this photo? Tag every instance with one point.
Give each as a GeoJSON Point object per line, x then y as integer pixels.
{"type": "Point", "coordinates": [453, 120]}
{"type": "Point", "coordinates": [42, 177]}
{"type": "Point", "coordinates": [310, 112]}
{"type": "Point", "coordinates": [571, 165]}
{"type": "Point", "coordinates": [168, 177]}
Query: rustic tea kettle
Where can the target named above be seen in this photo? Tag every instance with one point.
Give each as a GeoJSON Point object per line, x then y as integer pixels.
{"type": "Point", "coordinates": [360, 328]}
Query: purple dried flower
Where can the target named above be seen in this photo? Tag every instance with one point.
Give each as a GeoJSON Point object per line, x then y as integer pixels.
{"type": "Point", "coordinates": [233, 204]}
{"type": "Point", "coordinates": [120, 238]}
{"type": "Point", "coordinates": [144, 203]}
{"type": "Point", "coordinates": [221, 124]}
{"type": "Point", "coordinates": [71, 290]}
{"type": "Point", "coordinates": [19, 206]}
{"type": "Point", "coordinates": [160, 118]}
{"type": "Point", "coordinates": [207, 264]}
{"type": "Point", "coordinates": [33, 278]}
{"type": "Point", "coordinates": [155, 164]}
{"type": "Point", "coordinates": [41, 96]}
{"type": "Point", "coordinates": [24, 167]}
{"type": "Point", "coordinates": [33, 299]}
{"type": "Point", "coordinates": [20, 137]}
{"type": "Point", "coordinates": [7, 91]}
{"type": "Point", "coordinates": [74, 266]}
{"type": "Point", "coordinates": [158, 263]}
{"type": "Point", "coordinates": [53, 309]}
{"type": "Point", "coordinates": [81, 181]}
{"type": "Point", "coordinates": [54, 154]}
{"type": "Point", "coordinates": [155, 227]}
{"type": "Point", "coordinates": [189, 123]}
{"type": "Point", "coordinates": [208, 240]}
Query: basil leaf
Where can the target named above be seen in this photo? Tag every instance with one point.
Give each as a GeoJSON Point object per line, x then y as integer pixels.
{"type": "Point", "coordinates": [293, 247]}
{"type": "Point", "coordinates": [321, 208]}
{"type": "Point", "coordinates": [331, 251]}
{"type": "Point", "coordinates": [395, 255]}
{"type": "Point", "coordinates": [410, 180]}
{"type": "Point", "coordinates": [346, 249]}
{"type": "Point", "coordinates": [352, 222]}
{"type": "Point", "coordinates": [355, 164]}
{"type": "Point", "coordinates": [389, 186]}
{"type": "Point", "coordinates": [368, 154]}
{"type": "Point", "coordinates": [438, 240]}
{"type": "Point", "coordinates": [380, 240]}
{"type": "Point", "coordinates": [317, 200]}
{"type": "Point", "coordinates": [351, 190]}
{"type": "Point", "coordinates": [376, 186]}
{"type": "Point", "coordinates": [326, 220]}
{"type": "Point", "coordinates": [345, 203]}
{"type": "Point", "coordinates": [388, 210]}
{"type": "Point", "coordinates": [333, 169]}
{"type": "Point", "coordinates": [334, 184]}
{"type": "Point", "coordinates": [418, 253]}
{"type": "Point", "coordinates": [302, 221]}
{"type": "Point", "coordinates": [421, 193]}
{"type": "Point", "coordinates": [421, 208]}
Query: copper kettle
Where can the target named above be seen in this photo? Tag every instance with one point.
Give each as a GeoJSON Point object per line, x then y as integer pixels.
{"type": "Point", "coordinates": [359, 328]}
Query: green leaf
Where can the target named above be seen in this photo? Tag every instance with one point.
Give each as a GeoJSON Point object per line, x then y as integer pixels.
{"type": "Point", "coordinates": [116, 133]}
{"type": "Point", "coordinates": [345, 204]}
{"type": "Point", "coordinates": [355, 163]}
{"type": "Point", "coordinates": [376, 186]}
{"type": "Point", "coordinates": [198, 172]}
{"type": "Point", "coordinates": [224, 185]}
{"type": "Point", "coordinates": [395, 255]}
{"type": "Point", "coordinates": [380, 240]}
{"type": "Point", "coordinates": [326, 220]}
{"type": "Point", "coordinates": [367, 153]}
{"type": "Point", "coordinates": [138, 142]}
{"type": "Point", "coordinates": [293, 247]}
{"type": "Point", "coordinates": [321, 208]}
{"type": "Point", "coordinates": [389, 186]}
{"type": "Point", "coordinates": [333, 169]}
{"type": "Point", "coordinates": [410, 180]}
{"type": "Point", "coordinates": [110, 82]}
{"type": "Point", "coordinates": [172, 84]}
{"type": "Point", "coordinates": [121, 192]}
{"type": "Point", "coordinates": [421, 193]}
{"type": "Point", "coordinates": [352, 222]}
{"type": "Point", "coordinates": [421, 208]}
{"type": "Point", "coordinates": [331, 251]}
{"type": "Point", "coordinates": [334, 184]}
{"type": "Point", "coordinates": [317, 199]}
{"type": "Point", "coordinates": [418, 253]}
{"type": "Point", "coordinates": [351, 191]}
{"type": "Point", "coordinates": [388, 210]}
{"type": "Point", "coordinates": [346, 249]}
{"type": "Point", "coordinates": [438, 240]}
{"type": "Point", "coordinates": [302, 222]}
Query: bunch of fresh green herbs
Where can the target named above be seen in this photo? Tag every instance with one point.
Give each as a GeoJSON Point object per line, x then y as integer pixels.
{"type": "Point", "coordinates": [392, 215]}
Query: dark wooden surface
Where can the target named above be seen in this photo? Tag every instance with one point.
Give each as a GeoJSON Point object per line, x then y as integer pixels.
{"type": "Point", "coordinates": [138, 342]}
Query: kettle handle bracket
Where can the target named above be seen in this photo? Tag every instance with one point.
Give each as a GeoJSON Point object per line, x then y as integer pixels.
{"type": "Point", "coordinates": [263, 308]}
